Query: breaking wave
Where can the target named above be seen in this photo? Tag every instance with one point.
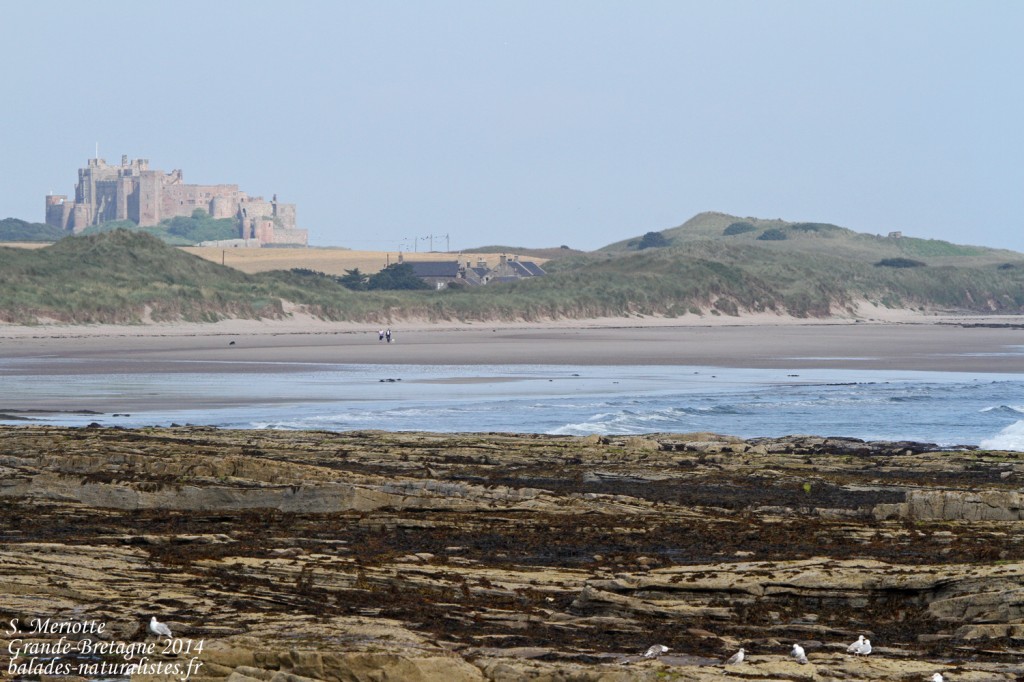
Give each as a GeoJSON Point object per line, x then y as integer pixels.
{"type": "Point", "coordinates": [1010, 438]}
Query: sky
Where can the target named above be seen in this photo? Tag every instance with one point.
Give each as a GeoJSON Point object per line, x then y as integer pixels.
{"type": "Point", "coordinates": [533, 122]}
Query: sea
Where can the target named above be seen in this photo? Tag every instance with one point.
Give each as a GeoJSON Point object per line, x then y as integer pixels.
{"type": "Point", "coordinates": [946, 408]}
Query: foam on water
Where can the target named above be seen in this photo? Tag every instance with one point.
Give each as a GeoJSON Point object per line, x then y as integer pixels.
{"type": "Point", "coordinates": [943, 408]}
{"type": "Point", "coordinates": [1010, 438]}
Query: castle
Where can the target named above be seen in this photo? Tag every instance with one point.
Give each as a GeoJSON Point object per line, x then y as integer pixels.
{"type": "Point", "coordinates": [131, 191]}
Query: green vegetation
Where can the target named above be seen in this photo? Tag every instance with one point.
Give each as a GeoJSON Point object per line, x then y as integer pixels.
{"type": "Point", "coordinates": [200, 227]}
{"type": "Point", "coordinates": [900, 263]}
{"type": "Point", "coordinates": [924, 248]}
{"type": "Point", "coordinates": [354, 280]}
{"type": "Point", "coordinates": [129, 277]}
{"type": "Point", "coordinates": [814, 227]}
{"type": "Point", "coordinates": [395, 277]}
{"type": "Point", "coordinates": [773, 234]}
{"type": "Point", "coordinates": [652, 240]}
{"type": "Point", "coordinates": [129, 226]}
{"type": "Point", "coordinates": [14, 230]}
{"type": "Point", "coordinates": [178, 231]}
{"type": "Point", "coordinates": [741, 227]}
{"type": "Point", "coordinates": [122, 277]}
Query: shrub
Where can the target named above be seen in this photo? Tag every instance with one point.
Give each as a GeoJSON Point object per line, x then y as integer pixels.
{"type": "Point", "coordinates": [773, 234]}
{"type": "Point", "coordinates": [652, 240]}
{"type": "Point", "coordinates": [396, 276]}
{"type": "Point", "coordinates": [201, 227]}
{"type": "Point", "coordinates": [814, 227]}
{"type": "Point", "coordinates": [741, 227]}
{"type": "Point", "coordinates": [353, 279]}
{"type": "Point", "coordinates": [899, 263]}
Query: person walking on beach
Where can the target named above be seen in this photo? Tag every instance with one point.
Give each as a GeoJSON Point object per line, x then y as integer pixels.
{"type": "Point", "coordinates": [387, 335]}
{"type": "Point", "coordinates": [380, 334]}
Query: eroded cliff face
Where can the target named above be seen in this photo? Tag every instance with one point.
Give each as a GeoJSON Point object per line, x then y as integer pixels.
{"type": "Point", "coordinates": [410, 556]}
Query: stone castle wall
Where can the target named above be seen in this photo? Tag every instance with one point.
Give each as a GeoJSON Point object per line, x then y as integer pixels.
{"type": "Point", "coordinates": [132, 191]}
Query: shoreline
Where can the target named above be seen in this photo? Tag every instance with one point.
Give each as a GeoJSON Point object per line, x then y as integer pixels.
{"type": "Point", "coordinates": [982, 344]}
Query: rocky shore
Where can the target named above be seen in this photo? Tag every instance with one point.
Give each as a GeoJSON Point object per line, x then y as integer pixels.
{"type": "Point", "coordinates": [294, 556]}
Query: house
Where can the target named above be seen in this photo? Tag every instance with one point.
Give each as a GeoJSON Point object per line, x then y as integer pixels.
{"type": "Point", "coordinates": [438, 273]}
{"type": "Point", "coordinates": [512, 269]}
{"type": "Point", "coordinates": [476, 274]}
{"type": "Point", "coordinates": [441, 274]}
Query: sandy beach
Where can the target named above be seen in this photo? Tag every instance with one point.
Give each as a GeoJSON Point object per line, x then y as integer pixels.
{"type": "Point", "coordinates": [909, 342]}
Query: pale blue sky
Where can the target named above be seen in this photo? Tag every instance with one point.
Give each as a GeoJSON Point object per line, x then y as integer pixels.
{"type": "Point", "coordinates": [534, 123]}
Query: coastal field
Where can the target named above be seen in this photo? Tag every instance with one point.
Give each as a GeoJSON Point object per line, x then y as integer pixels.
{"type": "Point", "coordinates": [326, 259]}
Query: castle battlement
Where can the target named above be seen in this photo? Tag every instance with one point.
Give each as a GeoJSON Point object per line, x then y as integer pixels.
{"type": "Point", "coordinates": [132, 191]}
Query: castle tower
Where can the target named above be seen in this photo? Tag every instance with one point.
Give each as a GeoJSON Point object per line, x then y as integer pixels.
{"type": "Point", "coordinates": [58, 210]}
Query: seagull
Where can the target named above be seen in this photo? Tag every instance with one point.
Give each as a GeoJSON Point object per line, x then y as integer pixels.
{"type": "Point", "coordinates": [937, 677]}
{"type": "Point", "coordinates": [735, 658]}
{"type": "Point", "coordinates": [798, 653]}
{"type": "Point", "coordinates": [864, 648]}
{"type": "Point", "coordinates": [159, 629]}
{"type": "Point", "coordinates": [852, 649]}
{"type": "Point", "coordinates": [655, 650]}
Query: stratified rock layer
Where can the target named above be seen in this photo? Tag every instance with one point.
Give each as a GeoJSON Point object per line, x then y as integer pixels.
{"type": "Point", "coordinates": [406, 556]}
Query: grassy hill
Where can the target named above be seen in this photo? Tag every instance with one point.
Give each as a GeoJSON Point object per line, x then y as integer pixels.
{"type": "Point", "coordinates": [121, 277]}
{"type": "Point", "coordinates": [804, 269]}
{"type": "Point", "coordinates": [818, 238]}
{"type": "Point", "coordinates": [813, 271]}
{"type": "Point", "coordinates": [736, 277]}
{"type": "Point", "coordinates": [130, 277]}
{"type": "Point", "coordinates": [14, 230]}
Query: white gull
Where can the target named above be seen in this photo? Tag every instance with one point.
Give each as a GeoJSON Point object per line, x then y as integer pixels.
{"type": "Point", "coordinates": [864, 649]}
{"type": "Point", "coordinates": [655, 650]}
{"type": "Point", "coordinates": [159, 629]}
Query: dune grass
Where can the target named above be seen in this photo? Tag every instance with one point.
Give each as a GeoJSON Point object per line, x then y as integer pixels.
{"type": "Point", "coordinates": [131, 277]}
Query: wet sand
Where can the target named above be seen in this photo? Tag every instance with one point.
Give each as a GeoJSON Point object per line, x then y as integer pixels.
{"type": "Point", "coordinates": [942, 345]}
